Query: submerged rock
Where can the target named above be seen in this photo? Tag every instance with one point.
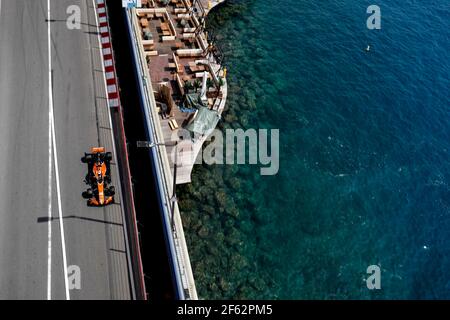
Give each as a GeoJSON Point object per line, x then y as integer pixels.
{"type": "Point", "coordinates": [203, 232]}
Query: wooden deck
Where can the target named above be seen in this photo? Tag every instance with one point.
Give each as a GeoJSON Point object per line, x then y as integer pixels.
{"type": "Point", "coordinates": [163, 35]}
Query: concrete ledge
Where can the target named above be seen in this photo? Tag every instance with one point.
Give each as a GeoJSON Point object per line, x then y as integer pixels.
{"type": "Point", "coordinates": [189, 52]}
{"type": "Point", "coordinates": [147, 42]}
{"type": "Point", "coordinates": [168, 38]}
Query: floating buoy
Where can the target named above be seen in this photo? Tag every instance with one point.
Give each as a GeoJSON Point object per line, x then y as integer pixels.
{"type": "Point", "coordinates": [368, 49]}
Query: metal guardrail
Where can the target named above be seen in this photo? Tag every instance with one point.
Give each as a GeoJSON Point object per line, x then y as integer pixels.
{"type": "Point", "coordinates": [182, 272]}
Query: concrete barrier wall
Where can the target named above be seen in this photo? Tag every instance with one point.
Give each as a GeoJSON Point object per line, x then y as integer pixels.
{"type": "Point", "coordinates": [125, 187]}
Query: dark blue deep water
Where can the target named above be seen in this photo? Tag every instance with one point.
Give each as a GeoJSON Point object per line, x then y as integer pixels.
{"type": "Point", "coordinates": [365, 147]}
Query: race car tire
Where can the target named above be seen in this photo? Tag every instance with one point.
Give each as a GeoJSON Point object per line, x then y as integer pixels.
{"type": "Point", "coordinates": [87, 194]}
{"type": "Point", "coordinates": [108, 156]}
{"type": "Point", "coordinates": [111, 191]}
{"type": "Point", "coordinates": [87, 158]}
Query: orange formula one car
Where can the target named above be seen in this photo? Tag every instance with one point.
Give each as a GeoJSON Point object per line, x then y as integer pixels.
{"type": "Point", "coordinates": [100, 193]}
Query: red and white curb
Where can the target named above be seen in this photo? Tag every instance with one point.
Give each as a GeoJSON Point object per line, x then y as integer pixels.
{"type": "Point", "coordinates": [108, 59]}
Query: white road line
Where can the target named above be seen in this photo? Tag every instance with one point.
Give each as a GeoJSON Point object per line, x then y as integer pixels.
{"type": "Point", "coordinates": [50, 181]}
{"type": "Point", "coordinates": [55, 154]}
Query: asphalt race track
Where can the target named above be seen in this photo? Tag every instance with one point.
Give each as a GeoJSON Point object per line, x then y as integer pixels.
{"type": "Point", "coordinates": [51, 112]}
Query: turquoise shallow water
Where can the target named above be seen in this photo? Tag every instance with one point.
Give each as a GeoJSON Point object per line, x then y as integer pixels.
{"type": "Point", "coordinates": [364, 146]}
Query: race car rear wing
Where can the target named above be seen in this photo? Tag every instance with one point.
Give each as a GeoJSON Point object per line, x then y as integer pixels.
{"type": "Point", "coordinates": [98, 149]}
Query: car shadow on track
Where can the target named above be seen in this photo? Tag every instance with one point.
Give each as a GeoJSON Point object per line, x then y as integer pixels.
{"type": "Point", "coordinates": [46, 219]}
